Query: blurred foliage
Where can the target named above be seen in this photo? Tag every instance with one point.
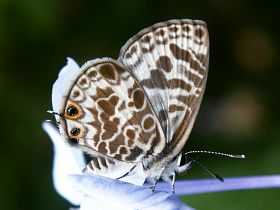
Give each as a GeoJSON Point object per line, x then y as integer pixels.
{"type": "Point", "coordinates": [239, 113]}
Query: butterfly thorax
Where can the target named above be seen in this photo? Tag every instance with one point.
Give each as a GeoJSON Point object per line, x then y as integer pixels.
{"type": "Point", "coordinates": [160, 168]}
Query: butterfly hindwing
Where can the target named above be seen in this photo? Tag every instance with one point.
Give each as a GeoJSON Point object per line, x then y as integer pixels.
{"type": "Point", "coordinates": [170, 60]}
{"type": "Point", "coordinates": [107, 113]}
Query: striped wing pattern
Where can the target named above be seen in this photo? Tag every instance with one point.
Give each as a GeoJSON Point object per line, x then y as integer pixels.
{"type": "Point", "coordinates": [170, 60]}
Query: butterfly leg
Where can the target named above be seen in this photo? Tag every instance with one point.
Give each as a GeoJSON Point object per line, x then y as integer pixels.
{"type": "Point", "coordinates": [127, 173]}
{"type": "Point", "coordinates": [171, 179]}
{"type": "Point", "coordinates": [155, 183]}
{"type": "Point", "coordinates": [156, 179]}
{"type": "Point", "coordinates": [173, 183]}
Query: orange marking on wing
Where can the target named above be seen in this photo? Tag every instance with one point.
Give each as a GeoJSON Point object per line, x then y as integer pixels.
{"type": "Point", "coordinates": [77, 132]}
{"type": "Point", "coordinates": [73, 111]}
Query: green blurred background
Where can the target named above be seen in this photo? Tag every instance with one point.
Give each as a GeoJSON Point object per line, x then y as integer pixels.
{"type": "Point", "coordinates": [239, 113]}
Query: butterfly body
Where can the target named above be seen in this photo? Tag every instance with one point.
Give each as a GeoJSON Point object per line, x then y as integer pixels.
{"type": "Point", "coordinates": [135, 114]}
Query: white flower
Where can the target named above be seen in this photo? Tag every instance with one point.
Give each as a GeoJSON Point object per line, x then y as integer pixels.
{"type": "Point", "coordinates": [100, 193]}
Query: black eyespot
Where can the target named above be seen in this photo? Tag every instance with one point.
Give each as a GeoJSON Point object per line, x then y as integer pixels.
{"type": "Point", "coordinates": [74, 140]}
{"type": "Point", "coordinates": [75, 131]}
{"type": "Point", "coordinates": [72, 111]}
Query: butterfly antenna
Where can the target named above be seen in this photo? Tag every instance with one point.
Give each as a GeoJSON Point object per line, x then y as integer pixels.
{"type": "Point", "coordinates": [216, 153]}
{"type": "Point", "coordinates": [216, 176]}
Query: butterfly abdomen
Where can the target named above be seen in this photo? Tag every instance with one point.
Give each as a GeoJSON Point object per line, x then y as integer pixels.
{"type": "Point", "coordinates": [99, 164]}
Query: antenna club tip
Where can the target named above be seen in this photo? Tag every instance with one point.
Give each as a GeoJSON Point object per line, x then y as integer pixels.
{"type": "Point", "coordinates": [240, 156]}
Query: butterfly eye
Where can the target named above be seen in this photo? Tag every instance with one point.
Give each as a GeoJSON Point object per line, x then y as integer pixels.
{"type": "Point", "coordinates": [74, 140]}
{"type": "Point", "coordinates": [75, 131]}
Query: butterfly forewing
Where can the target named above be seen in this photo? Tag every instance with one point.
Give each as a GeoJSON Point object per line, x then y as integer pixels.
{"type": "Point", "coordinates": [170, 60]}
{"type": "Point", "coordinates": [107, 113]}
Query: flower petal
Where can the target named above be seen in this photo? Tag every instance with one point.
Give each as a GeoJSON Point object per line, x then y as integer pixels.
{"type": "Point", "coordinates": [66, 76]}
{"type": "Point", "coordinates": [106, 193]}
{"type": "Point", "coordinates": [66, 161]}
{"type": "Point", "coordinates": [185, 187]}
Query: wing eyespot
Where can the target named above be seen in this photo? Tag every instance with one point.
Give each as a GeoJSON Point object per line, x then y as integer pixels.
{"type": "Point", "coordinates": [74, 141]}
{"type": "Point", "coordinates": [73, 111]}
{"type": "Point", "coordinates": [75, 131]}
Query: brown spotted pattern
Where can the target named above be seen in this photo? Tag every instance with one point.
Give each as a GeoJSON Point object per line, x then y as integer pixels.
{"type": "Point", "coordinates": [170, 60]}
{"type": "Point", "coordinates": [114, 116]}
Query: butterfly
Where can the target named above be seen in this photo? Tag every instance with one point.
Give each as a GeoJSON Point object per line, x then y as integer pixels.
{"type": "Point", "coordinates": [134, 115]}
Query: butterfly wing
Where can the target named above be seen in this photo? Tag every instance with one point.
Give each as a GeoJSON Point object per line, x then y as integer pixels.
{"type": "Point", "coordinates": [170, 60]}
{"type": "Point", "coordinates": [105, 112]}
